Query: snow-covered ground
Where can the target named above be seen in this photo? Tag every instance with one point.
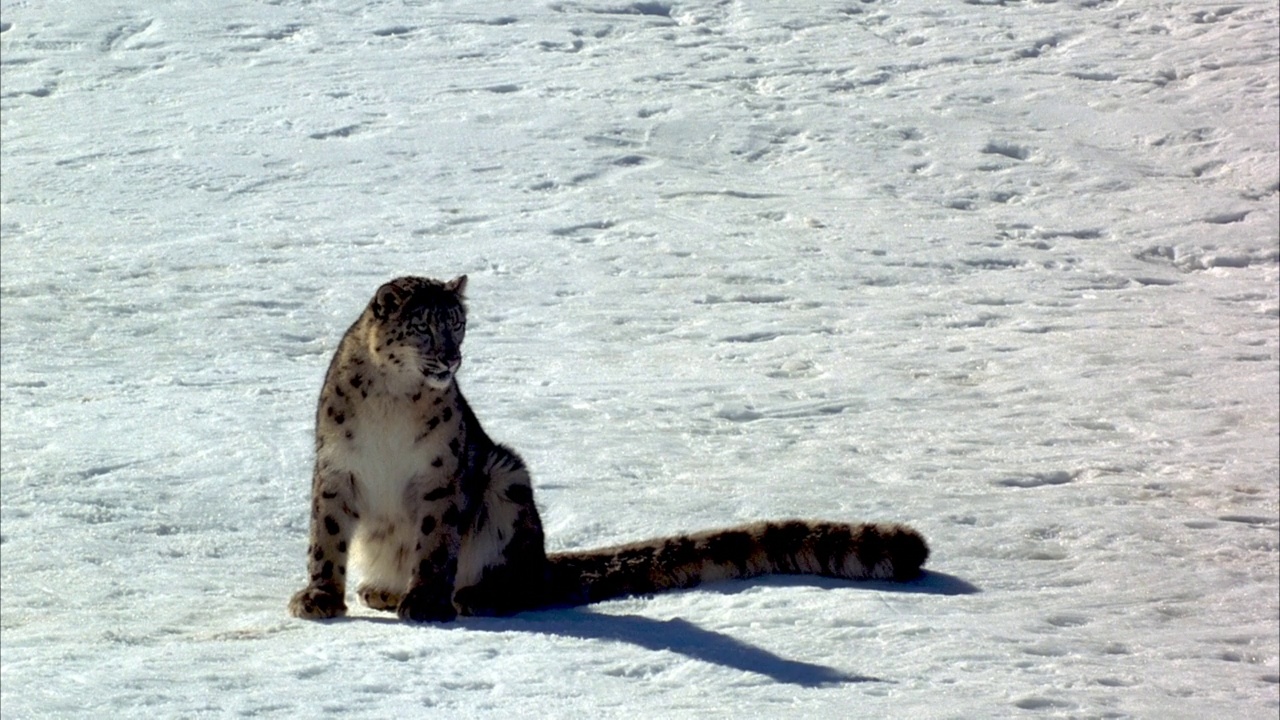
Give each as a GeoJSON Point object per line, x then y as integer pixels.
{"type": "Point", "coordinates": [1005, 271]}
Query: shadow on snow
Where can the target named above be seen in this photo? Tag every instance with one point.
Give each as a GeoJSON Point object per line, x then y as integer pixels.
{"type": "Point", "coordinates": [683, 637]}
{"type": "Point", "coordinates": [676, 635]}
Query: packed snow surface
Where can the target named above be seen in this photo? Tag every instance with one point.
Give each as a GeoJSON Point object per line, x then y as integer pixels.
{"type": "Point", "coordinates": [1005, 271]}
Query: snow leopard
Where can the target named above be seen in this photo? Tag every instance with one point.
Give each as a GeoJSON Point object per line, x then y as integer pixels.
{"type": "Point", "coordinates": [439, 521]}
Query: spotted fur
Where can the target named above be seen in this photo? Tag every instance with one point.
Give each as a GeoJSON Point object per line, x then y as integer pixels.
{"type": "Point", "coordinates": [440, 520]}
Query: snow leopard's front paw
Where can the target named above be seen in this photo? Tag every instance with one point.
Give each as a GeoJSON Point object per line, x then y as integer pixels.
{"type": "Point", "coordinates": [318, 602]}
{"type": "Point", "coordinates": [421, 604]}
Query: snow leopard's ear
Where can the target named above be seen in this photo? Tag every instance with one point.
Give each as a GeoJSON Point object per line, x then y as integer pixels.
{"type": "Point", "coordinates": [457, 286]}
{"type": "Point", "coordinates": [389, 298]}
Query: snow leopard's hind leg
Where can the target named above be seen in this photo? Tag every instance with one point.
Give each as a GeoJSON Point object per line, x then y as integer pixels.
{"type": "Point", "coordinates": [502, 567]}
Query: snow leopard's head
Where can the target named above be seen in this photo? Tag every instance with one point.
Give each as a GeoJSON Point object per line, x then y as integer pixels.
{"type": "Point", "coordinates": [417, 326]}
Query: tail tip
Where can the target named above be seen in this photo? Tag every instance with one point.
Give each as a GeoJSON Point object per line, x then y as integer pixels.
{"type": "Point", "coordinates": [908, 550]}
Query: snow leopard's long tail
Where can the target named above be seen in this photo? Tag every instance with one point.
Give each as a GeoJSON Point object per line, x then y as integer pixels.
{"type": "Point", "coordinates": [794, 547]}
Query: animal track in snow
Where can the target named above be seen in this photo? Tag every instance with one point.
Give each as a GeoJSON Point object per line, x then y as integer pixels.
{"type": "Point", "coordinates": [738, 412]}
{"type": "Point", "coordinates": [1190, 258]}
{"type": "Point", "coordinates": [340, 132]}
{"type": "Point", "coordinates": [395, 31]}
{"type": "Point", "coordinates": [752, 337]}
{"type": "Point", "coordinates": [1035, 480]}
{"type": "Point", "coordinates": [755, 299]}
{"type": "Point", "coordinates": [1009, 150]}
{"type": "Point", "coordinates": [1258, 520]}
{"type": "Point", "coordinates": [581, 228]}
{"type": "Point", "coordinates": [119, 35]}
{"type": "Point", "coordinates": [248, 32]}
{"type": "Point", "coordinates": [647, 9]}
{"type": "Point", "coordinates": [1227, 218]}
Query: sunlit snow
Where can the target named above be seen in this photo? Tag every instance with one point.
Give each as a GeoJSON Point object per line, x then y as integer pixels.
{"type": "Point", "coordinates": [1004, 271]}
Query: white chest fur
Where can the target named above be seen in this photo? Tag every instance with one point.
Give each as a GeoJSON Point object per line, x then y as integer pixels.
{"type": "Point", "coordinates": [395, 456]}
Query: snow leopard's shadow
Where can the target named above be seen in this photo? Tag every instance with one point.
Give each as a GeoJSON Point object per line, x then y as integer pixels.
{"type": "Point", "coordinates": [675, 635]}
{"type": "Point", "coordinates": [683, 637]}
